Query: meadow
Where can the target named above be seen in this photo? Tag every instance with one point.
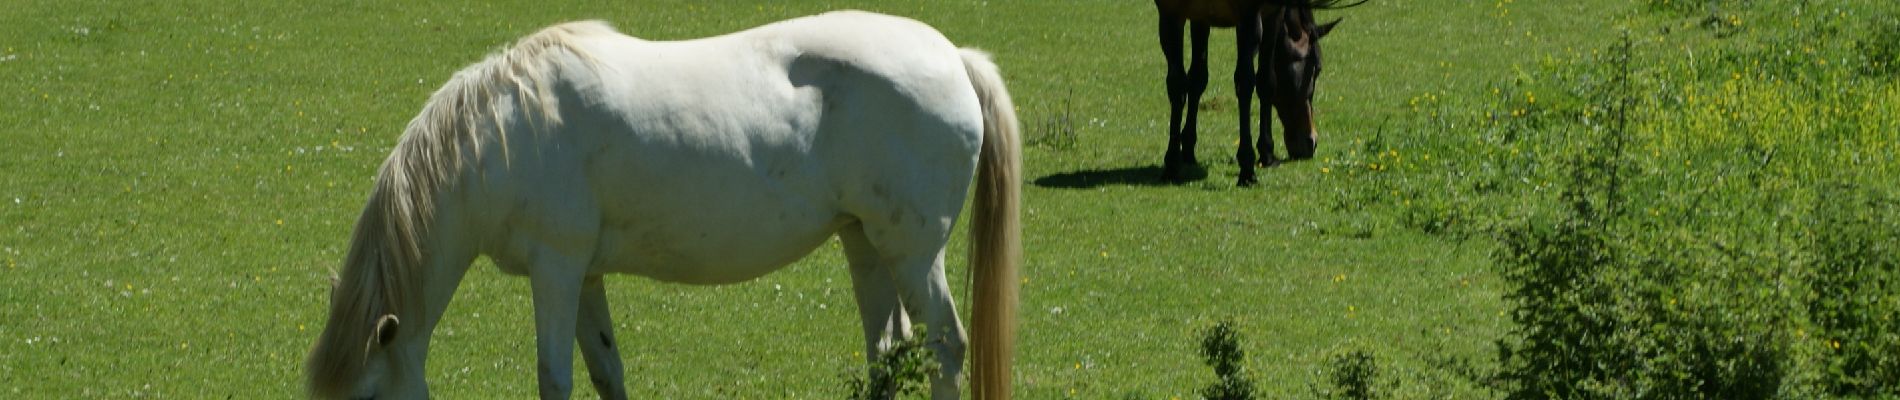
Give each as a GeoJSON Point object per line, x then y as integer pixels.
{"type": "Point", "coordinates": [178, 180]}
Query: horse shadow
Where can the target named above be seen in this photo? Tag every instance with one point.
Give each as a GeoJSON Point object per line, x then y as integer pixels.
{"type": "Point", "coordinates": [1144, 175]}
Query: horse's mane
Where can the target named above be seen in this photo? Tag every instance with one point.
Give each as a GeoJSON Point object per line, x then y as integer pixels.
{"type": "Point", "coordinates": [382, 273]}
{"type": "Point", "coordinates": [1321, 4]}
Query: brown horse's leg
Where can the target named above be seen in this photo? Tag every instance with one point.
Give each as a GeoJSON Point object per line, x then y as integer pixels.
{"type": "Point", "coordinates": [1177, 93]}
{"type": "Point", "coordinates": [1268, 98]}
{"type": "Point", "coordinates": [1246, 43]}
{"type": "Point", "coordinates": [1269, 89]}
{"type": "Point", "coordinates": [1197, 84]}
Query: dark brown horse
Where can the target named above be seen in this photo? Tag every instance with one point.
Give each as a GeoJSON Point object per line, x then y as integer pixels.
{"type": "Point", "coordinates": [1284, 35]}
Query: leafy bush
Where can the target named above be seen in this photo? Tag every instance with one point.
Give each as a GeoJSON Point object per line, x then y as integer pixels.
{"type": "Point", "coordinates": [1675, 264]}
{"type": "Point", "coordinates": [1220, 348]}
{"type": "Point", "coordinates": [1855, 278]}
{"type": "Point", "coordinates": [903, 370]}
{"type": "Point", "coordinates": [1608, 304]}
{"type": "Point", "coordinates": [1352, 375]}
{"type": "Point", "coordinates": [1879, 48]}
{"type": "Point", "coordinates": [1722, 226]}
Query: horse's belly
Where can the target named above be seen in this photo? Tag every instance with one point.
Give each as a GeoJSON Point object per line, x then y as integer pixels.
{"type": "Point", "coordinates": [729, 246]}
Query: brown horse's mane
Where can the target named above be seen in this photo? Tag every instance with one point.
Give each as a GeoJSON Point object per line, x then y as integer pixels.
{"type": "Point", "coordinates": [1320, 4]}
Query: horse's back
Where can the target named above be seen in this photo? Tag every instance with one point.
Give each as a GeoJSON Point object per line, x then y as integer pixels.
{"type": "Point", "coordinates": [1218, 13]}
{"type": "Point", "coordinates": [904, 97]}
{"type": "Point", "coordinates": [720, 159]}
{"type": "Point", "coordinates": [875, 43]}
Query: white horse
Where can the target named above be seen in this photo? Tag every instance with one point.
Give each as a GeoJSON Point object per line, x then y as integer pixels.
{"type": "Point", "coordinates": [580, 152]}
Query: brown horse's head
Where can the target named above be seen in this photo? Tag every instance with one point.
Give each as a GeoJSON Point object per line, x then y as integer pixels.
{"type": "Point", "coordinates": [1291, 65]}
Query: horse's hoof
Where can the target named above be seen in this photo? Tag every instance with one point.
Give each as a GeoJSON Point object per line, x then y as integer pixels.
{"type": "Point", "coordinates": [1246, 181]}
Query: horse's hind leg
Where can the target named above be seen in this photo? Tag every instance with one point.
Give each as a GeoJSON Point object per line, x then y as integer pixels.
{"type": "Point", "coordinates": [911, 258]}
{"type": "Point", "coordinates": [926, 294]}
{"type": "Point", "coordinates": [878, 307]}
{"type": "Point", "coordinates": [594, 330]}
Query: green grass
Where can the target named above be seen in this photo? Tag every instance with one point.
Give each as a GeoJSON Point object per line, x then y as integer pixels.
{"type": "Point", "coordinates": [177, 181]}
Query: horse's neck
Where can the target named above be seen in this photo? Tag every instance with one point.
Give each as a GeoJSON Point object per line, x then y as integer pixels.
{"type": "Point", "coordinates": [450, 252]}
{"type": "Point", "coordinates": [435, 224]}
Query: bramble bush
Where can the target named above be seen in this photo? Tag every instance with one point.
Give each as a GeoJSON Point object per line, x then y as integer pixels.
{"type": "Point", "coordinates": [1707, 213]}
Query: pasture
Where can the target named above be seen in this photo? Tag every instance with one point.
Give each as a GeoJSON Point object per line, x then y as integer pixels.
{"type": "Point", "coordinates": [178, 180]}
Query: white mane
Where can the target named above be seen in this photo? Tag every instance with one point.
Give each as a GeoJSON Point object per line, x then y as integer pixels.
{"type": "Point", "coordinates": [386, 256]}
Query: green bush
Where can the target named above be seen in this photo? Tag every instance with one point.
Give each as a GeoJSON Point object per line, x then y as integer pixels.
{"type": "Point", "coordinates": [1220, 348]}
{"type": "Point", "coordinates": [1682, 273]}
{"type": "Point", "coordinates": [1855, 278]}
{"type": "Point", "coordinates": [1879, 48]}
{"type": "Point", "coordinates": [903, 370]}
{"type": "Point", "coordinates": [1716, 227]}
{"type": "Point", "coordinates": [1353, 375]}
{"type": "Point", "coordinates": [1633, 289]}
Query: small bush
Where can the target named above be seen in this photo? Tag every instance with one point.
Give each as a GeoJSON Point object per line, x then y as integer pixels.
{"type": "Point", "coordinates": [1879, 48]}
{"type": "Point", "coordinates": [904, 370]}
{"type": "Point", "coordinates": [1220, 348]}
{"type": "Point", "coordinates": [1353, 375]}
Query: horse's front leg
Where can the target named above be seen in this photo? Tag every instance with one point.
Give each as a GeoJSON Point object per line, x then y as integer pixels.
{"type": "Point", "coordinates": [595, 332]}
{"type": "Point", "coordinates": [1178, 85]}
{"type": "Point", "coordinates": [1246, 44]}
{"type": "Point", "coordinates": [1269, 97]}
{"type": "Point", "coordinates": [1267, 85]}
{"type": "Point", "coordinates": [556, 279]}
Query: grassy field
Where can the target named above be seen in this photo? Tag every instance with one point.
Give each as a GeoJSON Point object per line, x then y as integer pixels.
{"type": "Point", "coordinates": [177, 181]}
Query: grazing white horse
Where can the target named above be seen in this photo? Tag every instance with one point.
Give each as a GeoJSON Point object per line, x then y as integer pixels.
{"type": "Point", "coordinates": [580, 152]}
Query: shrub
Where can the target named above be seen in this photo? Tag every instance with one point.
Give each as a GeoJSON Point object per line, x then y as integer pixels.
{"type": "Point", "coordinates": [903, 370]}
{"type": "Point", "coordinates": [1855, 278]}
{"type": "Point", "coordinates": [1352, 375]}
{"type": "Point", "coordinates": [1609, 306]}
{"type": "Point", "coordinates": [1220, 348]}
{"type": "Point", "coordinates": [1717, 227]}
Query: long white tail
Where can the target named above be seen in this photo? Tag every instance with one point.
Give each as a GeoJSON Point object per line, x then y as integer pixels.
{"type": "Point", "coordinates": [995, 235]}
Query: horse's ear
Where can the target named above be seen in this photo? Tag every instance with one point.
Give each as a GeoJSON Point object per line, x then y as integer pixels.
{"type": "Point", "coordinates": [1327, 27]}
{"type": "Point", "coordinates": [386, 330]}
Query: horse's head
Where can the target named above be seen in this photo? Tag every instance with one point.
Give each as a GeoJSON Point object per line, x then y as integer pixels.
{"type": "Point", "coordinates": [387, 365]}
{"type": "Point", "coordinates": [1292, 68]}
{"type": "Point", "coordinates": [389, 371]}
{"type": "Point", "coordinates": [370, 348]}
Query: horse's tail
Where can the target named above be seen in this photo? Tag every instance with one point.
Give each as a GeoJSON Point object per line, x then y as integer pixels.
{"type": "Point", "coordinates": [996, 234]}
